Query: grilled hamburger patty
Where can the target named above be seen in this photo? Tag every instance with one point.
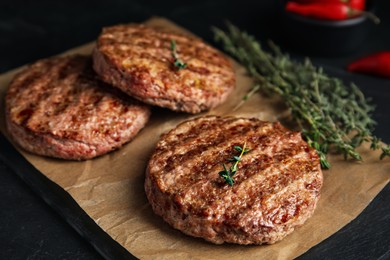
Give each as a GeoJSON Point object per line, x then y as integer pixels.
{"type": "Point", "coordinates": [138, 60]}
{"type": "Point", "coordinates": [276, 188]}
{"type": "Point", "coordinates": [57, 107]}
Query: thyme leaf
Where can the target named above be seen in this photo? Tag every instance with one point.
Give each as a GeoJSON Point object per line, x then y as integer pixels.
{"type": "Point", "coordinates": [228, 174]}
{"type": "Point", "coordinates": [329, 113]}
{"type": "Point", "coordinates": [177, 62]}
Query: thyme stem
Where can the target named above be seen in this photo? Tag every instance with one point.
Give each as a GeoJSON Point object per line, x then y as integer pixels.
{"type": "Point", "coordinates": [179, 64]}
{"type": "Point", "coordinates": [329, 113]}
{"type": "Point", "coordinates": [228, 174]}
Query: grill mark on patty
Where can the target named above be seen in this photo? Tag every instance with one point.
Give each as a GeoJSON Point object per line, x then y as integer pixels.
{"type": "Point", "coordinates": [99, 105]}
{"type": "Point", "coordinates": [276, 189]}
{"type": "Point", "coordinates": [71, 114]}
{"type": "Point", "coordinates": [221, 150]}
{"type": "Point", "coordinates": [40, 86]}
{"type": "Point", "coordinates": [249, 168]}
{"type": "Point", "coordinates": [289, 159]}
{"type": "Point", "coordinates": [285, 154]}
{"type": "Point", "coordinates": [164, 56]}
{"type": "Point", "coordinates": [192, 135]}
{"type": "Point", "coordinates": [142, 62]}
{"type": "Point", "coordinates": [289, 205]}
{"type": "Point", "coordinates": [288, 209]}
{"type": "Point", "coordinates": [296, 186]}
{"type": "Point", "coordinates": [199, 133]}
{"type": "Point", "coordinates": [279, 183]}
{"type": "Point", "coordinates": [142, 35]}
{"type": "Point", "coordinates": [294, 172]}
{"type": "Point", "coordinates": [74, 101]}
{"type": "Point", "coordinates": [24, 81]}
{"type": "Point", "coordinates": [67, 102]}
{"type": "Point", "coordinates": [134, 54]}
{"type": "Point", "coordinates": [264, 180]}
{"type": "Point", "coordinates": [213, 156]}
{"type": "Point", "coordinates": [215, 159]}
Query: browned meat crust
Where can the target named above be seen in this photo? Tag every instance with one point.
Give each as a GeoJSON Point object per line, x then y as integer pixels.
{"type": "Point", "coordinates": [138, 60]}
{"type": "Point", "coordinates": [276, 186]}
{"type": "Point", "coordinates": [57, 107]}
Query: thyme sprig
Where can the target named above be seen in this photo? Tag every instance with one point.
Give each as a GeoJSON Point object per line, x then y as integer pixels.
{"type": "Point", "coordinates": [329, 113]}
{"type": "Point", "coordinates": [228, 174]}
{"type": "Point", "coordinates": [247, 96]}
{"type": "Point", "coordinates": [179, 64]}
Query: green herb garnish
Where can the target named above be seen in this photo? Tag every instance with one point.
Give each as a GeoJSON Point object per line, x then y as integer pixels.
{"type": "Point", "coordinates": [329, 113]}
{"type": "Point", "coordinates": [253, 90]}
{"type": "Point", "coordinates": [228, 174]}
{"type": "Point", "coordinates": [177, 62]}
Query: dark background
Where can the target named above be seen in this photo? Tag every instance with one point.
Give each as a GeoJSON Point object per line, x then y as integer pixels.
{"type": "Point", "coordinates": [30, 30]}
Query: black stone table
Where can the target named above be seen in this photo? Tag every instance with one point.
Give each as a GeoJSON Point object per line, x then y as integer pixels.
{"type": "Point", "coordinates": [29, 30]}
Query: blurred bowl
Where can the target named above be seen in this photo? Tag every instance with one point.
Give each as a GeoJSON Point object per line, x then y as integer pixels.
{"type": "Point", "coordinates": [322, 37]}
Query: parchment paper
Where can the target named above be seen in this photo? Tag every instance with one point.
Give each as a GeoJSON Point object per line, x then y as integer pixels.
{"type": "Point", "coordinates": [111, 188]}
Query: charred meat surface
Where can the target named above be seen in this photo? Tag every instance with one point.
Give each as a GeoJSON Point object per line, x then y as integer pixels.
{"type": "Point", "coordinates": [57, 107]}
{"type": "Point", "coordinates": [277, 184]}
{"type": "Point", "coordinates": [140, 61]}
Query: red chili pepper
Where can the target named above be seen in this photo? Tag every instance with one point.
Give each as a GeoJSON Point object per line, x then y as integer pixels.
{"type": "Point", "coordinates": [328, 11]}
{"type": "Point", "coordinates": [376, 64]}
{"type": "Point", "coordinates": [321, 1]}
{"type": "Point", "coordinates": [355, 4]}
